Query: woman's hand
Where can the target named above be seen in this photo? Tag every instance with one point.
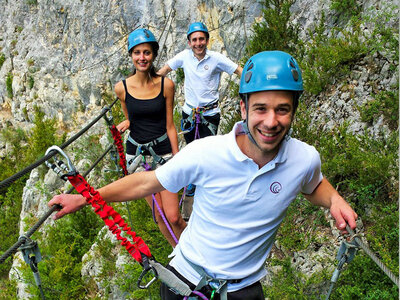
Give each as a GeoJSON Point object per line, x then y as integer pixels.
{"type": "Point", "coordinates": [124, 125]}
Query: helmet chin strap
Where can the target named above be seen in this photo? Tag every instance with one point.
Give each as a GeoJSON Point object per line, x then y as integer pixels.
{"type": "Point", "coordinates": [245, 122]}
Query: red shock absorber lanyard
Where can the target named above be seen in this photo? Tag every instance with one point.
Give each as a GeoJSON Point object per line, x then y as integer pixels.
{"type": "Point", "coordinates": [120, 147]}
{"type": "Point", "coordinates": [137, 247]}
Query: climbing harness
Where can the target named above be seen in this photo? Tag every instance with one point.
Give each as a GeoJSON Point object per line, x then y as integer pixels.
{"type": "Point", "coordinates": [219, 286]}
{"type": "Point", "coordinates": [196, 118]}
{"type": "Point", "coordinates": [140, 148]}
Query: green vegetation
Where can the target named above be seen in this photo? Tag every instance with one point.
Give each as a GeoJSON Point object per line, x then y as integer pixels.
{"type": "Point", "coordinates": [9, 80]}
{"type": "Point", "coordinates": [25, 148]}
{"type": "Point", "coordinates": [31, 82]}
{"type": "Point", "coordinates": [346, 8]}
{"type": "Point", "coordinates": [180, 76]}
{"type": "Point", "coordinates": [330, 57]}
{"type": "Point", "coordinates": [275, 32]}
{"type": "Point", "coordinates": [30, 62]}
{"type": "Point", "coordinates": [2, 59]}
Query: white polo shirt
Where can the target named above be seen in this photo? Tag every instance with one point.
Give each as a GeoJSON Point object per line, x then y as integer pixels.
{"type": "Point", "coordinates": [202, 77]}
{"type": "Point", "coordinates": [237, 207]}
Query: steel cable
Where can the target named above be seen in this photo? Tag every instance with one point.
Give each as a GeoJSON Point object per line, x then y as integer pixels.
{"type": "Point", "coordinates": [373, 256]}
{"type": "Point", "coordinates": [35, 227]}
{"type": "Point", "coordinates": [34, 165]}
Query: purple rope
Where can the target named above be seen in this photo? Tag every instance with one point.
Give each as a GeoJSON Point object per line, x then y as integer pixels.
{"type": "Point", "coordinates": [147, 167]}
{"type": "Point", "coordinates": [198, 294]}
{"type": "Point", "coordinates": [183, 196]}
{"type": "Point", "coordinates": [198, 121]}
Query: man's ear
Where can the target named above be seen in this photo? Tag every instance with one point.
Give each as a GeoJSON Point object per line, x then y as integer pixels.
{"type": "Point", "coordinates": [243, 110]}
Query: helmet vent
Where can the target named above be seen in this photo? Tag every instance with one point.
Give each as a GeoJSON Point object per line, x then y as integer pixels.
{"type": "Point", "coordinates": [247, 76]}
{"type": "Point", "coordinates": [250, 66]}
{"type": "Point", "coordinates": [292, 64]}
{"type": "Point", "coordinates": [146, 33]}
{"type": "Point", "coordinates": [295, 74]}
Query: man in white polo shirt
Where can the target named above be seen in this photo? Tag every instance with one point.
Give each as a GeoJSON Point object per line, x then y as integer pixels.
{"type": "Point", "coordinates": [245, 182]}
{"type": "Point", "coordinates": [202, 69]}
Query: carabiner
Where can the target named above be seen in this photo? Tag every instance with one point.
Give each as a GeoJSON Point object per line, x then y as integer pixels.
{"type": "Point", "coordinates": [146, 268]}
{"type": "Point", "coordinates": [59, 166]}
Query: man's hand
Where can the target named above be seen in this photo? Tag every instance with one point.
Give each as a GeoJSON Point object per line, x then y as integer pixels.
{"type": "Point", "coordinates": [69, 204]}
{"type": "Point", "coordinates": [343, 214]}
{"type": "Point", "coordinates": [325, 195]}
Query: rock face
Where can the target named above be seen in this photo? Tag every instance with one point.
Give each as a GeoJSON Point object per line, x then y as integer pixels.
{"type": "Point", "coordinates": [66, 55]}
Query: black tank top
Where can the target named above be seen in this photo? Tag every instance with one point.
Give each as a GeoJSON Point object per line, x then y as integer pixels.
{"type": "Point", "coordinates": [148, 121]}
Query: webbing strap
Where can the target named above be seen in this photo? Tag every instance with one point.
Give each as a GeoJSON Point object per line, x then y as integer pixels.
{"type": "Point", "coordinates": [111, 218]}
{"type": "Point", "coordinates": [170, 279]}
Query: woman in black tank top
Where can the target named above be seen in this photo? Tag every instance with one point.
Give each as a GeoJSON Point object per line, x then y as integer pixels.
{"type": "Point", "coordinates": [147, 103]}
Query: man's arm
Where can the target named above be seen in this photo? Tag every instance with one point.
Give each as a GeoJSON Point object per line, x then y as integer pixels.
{"type": "Point", "coordinates": [239, 71]}
{"type": "Point", "coordinates": [325, 195]}
{"type": "Point", "coordinates": [164, 70]}
{"type": "Point", "coordinates": [131, 187]}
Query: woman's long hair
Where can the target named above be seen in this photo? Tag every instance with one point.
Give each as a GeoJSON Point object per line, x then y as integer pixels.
{"type": "Point", "coordinates": [152, 73]}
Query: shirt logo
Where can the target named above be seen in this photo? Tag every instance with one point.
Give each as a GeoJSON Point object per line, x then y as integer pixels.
{"type": "Point", "coordinates": [206, 67]}
{"type": "Point", "coordinates": [275, 187]}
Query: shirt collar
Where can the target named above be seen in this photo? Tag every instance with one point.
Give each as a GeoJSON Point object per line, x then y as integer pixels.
{"type": "Point", "coordinates": [204, 58]}
{"type": "Point", "coordinates": [240, 156]}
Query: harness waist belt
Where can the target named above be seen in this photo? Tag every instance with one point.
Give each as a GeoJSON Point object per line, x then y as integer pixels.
{"type": "Point", "coordinates": [220, 285]}
{"type": "Point", "coordinates": [205, 108]}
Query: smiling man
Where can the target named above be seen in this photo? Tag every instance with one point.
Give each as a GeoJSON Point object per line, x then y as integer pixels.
{"type": "Point", "coordinates": [202, 69]}
{"type": "Point", "coordinates": [245, 182]}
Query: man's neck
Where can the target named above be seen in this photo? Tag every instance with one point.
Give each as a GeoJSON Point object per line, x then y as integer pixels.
{"type": "Point", "coordinates": [200, 57]}
{"type": "Point", "coordinates": [252, 151]}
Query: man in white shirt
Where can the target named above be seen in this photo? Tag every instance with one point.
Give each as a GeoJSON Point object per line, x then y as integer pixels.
{"type": "Point", "coordinates": [202, 69]}
{"type": "Point", "coordinates": [245, 182]}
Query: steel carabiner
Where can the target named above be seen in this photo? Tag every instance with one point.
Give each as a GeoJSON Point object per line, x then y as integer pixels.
{"type": "Point", "coordinates": [58, 166]}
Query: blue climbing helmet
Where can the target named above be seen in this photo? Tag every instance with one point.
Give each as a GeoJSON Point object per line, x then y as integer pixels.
{"type": "Point", "coordinates": [141, 36]}
{"type": "Point", "coordinates": [197, 26]}
{"type": "Point", "coordinates": [270, 71]}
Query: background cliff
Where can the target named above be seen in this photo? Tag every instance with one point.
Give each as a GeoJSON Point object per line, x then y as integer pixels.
{"type": "Point", "coordinates": [59, 61]}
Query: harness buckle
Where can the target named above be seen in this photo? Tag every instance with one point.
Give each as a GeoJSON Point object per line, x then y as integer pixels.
{"type": "Point", "coordinates": [200, 109]}
{"type": "Point", "coordinates": [58, 166]}
{"type": "Point", "coordinates": [146, 269]}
